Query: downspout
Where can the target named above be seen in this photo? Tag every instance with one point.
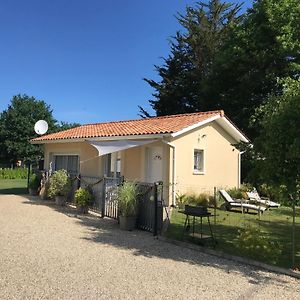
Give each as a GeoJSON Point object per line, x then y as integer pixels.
{"type": "Point", "coordinates": [240, 169]}
{"type": "Point", "coordinates": [173, 171]}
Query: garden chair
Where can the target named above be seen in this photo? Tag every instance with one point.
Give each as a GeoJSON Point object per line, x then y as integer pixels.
{"type": "Point", "coordinates": [243, 204]}
{"type": "Point", "coordinates": [254, 196]}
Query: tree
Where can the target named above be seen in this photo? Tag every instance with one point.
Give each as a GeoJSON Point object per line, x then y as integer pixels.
{"type": "Point", "coordinates": [261, 49]}
{"type": "Point", "coordinates": [230, 62]}
{"type": "Point", "coordinates": [17, 127]}
{"type": "Point", "coordinates": [278, 145]}
{"type": "Point", "coordinates": [184, 85]}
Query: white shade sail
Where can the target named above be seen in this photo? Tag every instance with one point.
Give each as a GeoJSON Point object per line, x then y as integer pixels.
{"type": "Point", "coordinates": [114, 146]}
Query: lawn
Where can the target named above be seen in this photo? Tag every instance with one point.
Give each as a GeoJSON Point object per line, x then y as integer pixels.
{"type": "Point", "coordinates": [13, 186]}
{"type": "Point", "coordinates": [275, 224]}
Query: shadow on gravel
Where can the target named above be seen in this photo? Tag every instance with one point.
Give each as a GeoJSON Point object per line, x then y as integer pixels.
{"type": "Point", "coordinates": [106, 231]}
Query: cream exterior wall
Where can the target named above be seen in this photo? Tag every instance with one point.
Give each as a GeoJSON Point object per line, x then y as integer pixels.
{"type": "Point", "coordinates": [221, 160]}
{"type": "Point", "coordinates": [91, 164]}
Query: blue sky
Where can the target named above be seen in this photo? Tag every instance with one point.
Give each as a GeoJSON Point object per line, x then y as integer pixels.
{"type": "Point", "coordinates": [85, 58]}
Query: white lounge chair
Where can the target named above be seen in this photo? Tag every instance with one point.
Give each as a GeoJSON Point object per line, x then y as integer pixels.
{"type": "Point", "coordinates": [254, 196]}
{"type": "Point", "coordinates": [243, 204]}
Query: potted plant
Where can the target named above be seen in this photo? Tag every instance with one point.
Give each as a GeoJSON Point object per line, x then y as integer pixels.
{"type": "Point", "coordinates": [83, 196]}
{"type": "Point", "coordinates": [127, 205]}
{"type": "Point", "coordinates": [34, 184]}
{"type": "Point", "coordinates": [59, 186]}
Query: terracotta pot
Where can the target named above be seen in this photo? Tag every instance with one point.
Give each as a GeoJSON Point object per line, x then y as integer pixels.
{"type": "Point", "coordinates": [32, 192]}
{"type": "Point", "coordinates": [127, 223]}
{"type": "Point", "coordinates": [60, 200]}
{"type": "Point", "coordinates": [82, 209]}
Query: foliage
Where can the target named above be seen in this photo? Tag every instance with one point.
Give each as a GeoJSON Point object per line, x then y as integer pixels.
{"type": "Point", "coordinates": [127, 199]}
{"type": "Point", "coordinates": [34, 181]}
{"type": "Point", "coordinates": [254, 243]}
{"type": "Point", "coordinates": [223, 60]}
{"type": "Point", "coordinates": [59, 184]}
{"type": "Point", "coordinates": [240, 193]}
{"type": "Point", "coordinates": [83, 196]}
{"type": "Point", "coordinates": [17, 127]}
{"type": "Point", "coordinates": [201, 199]}
{"type": "Point", "coordinates": [17, 173]}
{"type": "Point", "coordinates": [184, 85]}
{"type": "Point", "coordinates": [277, 149]}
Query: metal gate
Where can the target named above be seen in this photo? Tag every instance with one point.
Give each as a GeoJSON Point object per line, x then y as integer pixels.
{"type": "Point", "coordinates": [105, 190]}
{"type": "Point", "coordinates": [110, 197]}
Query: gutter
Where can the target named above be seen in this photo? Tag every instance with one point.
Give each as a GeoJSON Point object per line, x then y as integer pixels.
{"type": "Point", "coordinates": [173, 171]}
{"type": "Point", "coordinates": [239, 168]}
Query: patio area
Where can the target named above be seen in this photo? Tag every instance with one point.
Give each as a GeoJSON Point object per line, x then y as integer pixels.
{"type": "Point", "coordinates": [51, 253]}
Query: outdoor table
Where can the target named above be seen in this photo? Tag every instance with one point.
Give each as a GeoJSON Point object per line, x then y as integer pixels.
{"type": "Point", "coordinates": [197, 212]}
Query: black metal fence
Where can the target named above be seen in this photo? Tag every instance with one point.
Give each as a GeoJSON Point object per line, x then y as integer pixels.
{"type": "Point", "coordinates": [105, 192]}
{"type": "Point", "coordinates": [150, 216]}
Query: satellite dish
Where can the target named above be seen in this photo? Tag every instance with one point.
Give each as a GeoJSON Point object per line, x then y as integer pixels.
{"type": "Point", "coordinates": [41, 127]}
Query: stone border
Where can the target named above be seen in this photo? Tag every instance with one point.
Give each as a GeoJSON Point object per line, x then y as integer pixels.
{"type": "Point", "coordinates": [239, 259]}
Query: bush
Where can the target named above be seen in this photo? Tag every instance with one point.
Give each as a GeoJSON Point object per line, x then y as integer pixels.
{"type": "Point", "coordinates": [34, 181]}
{"type": "Point", "coordinates": [201, 199]}
{"type": "Point", "coordinates": [60, 184]}
{"type": "Point", "coordinates": [83, 196]}
{"type": "Point", "coordinates": [127, 199]}
{"type": "Point", "coordinates": [255, 244]}
{"type": "Point", "coordinates": [240, 193]}
{"type": "Point", "coordinates": [17, 173]}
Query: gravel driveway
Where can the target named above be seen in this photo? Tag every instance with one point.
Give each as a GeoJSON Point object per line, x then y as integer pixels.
{"type": "Point", "coordinates": [47, 253]}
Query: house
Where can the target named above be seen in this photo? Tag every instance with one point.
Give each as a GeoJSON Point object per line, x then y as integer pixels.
{"type": "Point", "coordinates": [191, 152]}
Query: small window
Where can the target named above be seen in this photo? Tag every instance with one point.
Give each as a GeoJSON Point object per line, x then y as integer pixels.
{"type": "Point", "coordinates": [67, 162]}
{"type": "Point", "coordinates": [198, 161]}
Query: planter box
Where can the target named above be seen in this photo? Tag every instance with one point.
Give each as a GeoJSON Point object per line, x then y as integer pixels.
{"type": "Point", "coordinates": [32, 192]}
{"type": "Point", "coordinates": [82, 209]}
{"type": "Point", "coordinates": [127, 223]}
{"type": "Point", "coordinates": [60, 200]}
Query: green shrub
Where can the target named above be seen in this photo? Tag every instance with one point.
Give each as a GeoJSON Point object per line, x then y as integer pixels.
{"type": "Point", "coordinates": [60, 184]}
{"type": "Point", "coordinates": [255, 244]}
{"type": "Point", "coordinates": [181, 200]}
{"type": "Point", "coordinates": [34, 181]}
{"type": "Point", "coordinates": [17, 173]}
{"type": "Point", "coordinates": [202, 199]}
{"type": "Point", "coordinates": [239, 193]}
{"type": "Point", "coordinates": [276, 193]}
{"type": "Point", "coordinates": [83, 196]}
{"type": "Point", "coordinates": [127, 199]}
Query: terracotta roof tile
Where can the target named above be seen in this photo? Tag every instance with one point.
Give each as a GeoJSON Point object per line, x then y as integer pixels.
{"type": "Point", "coordinates": [155, 125]}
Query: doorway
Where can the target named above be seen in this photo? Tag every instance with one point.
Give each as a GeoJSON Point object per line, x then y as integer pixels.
{"type": "Point", "coordinates": [154, 164]}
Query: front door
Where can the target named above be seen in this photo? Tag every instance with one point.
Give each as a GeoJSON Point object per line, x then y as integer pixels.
{"type": "Point", "coordinates": [154, 160]}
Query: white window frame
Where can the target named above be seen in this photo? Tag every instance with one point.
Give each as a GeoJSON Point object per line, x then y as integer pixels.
{"type": "Point", "coordinates": [196, 171]}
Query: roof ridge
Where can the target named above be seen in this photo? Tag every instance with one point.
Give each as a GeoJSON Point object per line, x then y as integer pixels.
{"type": "Point", "coordinates": [221, 112]}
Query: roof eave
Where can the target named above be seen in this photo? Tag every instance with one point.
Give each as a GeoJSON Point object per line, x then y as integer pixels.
{"type": "Point", "coordinates": [108, 138]}
{"type": "Point", "coordinates": [223, 121]}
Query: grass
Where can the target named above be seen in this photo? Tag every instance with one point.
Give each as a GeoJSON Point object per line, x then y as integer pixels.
{"type": "Point", "coordinates": [13, 186]}
{"type": "Point", "coordinates": [276, 225]}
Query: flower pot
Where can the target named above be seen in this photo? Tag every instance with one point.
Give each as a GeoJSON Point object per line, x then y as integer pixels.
{"type": "Point", "coordinates": [32, 192]}
{"type": "Point", "coordinates": [82, 209]}
{"type": "Point", "coordinates": [60, 200]}
{"type": "Point", "coordinates": [127, 223]}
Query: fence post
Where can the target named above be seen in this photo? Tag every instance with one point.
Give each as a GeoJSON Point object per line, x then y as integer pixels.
{"type": "Point", "coordinates": [103, 198]}
{"type": "Point", "coordinates": [155, 208]}
{"type": "Point", "coordinates": [28, 176]}
{"type": "Point", "coordinates": [78, 181]}
{"type": "Point", "coordinates": [215, 206]}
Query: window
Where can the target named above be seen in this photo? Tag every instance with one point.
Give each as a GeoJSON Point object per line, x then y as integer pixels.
{"type": "Point", "coordinates": [112, 166]}
{"type": "Point", "coordinates": [198, 161]}
{"type": "Point", "coordinates": [67, 162]}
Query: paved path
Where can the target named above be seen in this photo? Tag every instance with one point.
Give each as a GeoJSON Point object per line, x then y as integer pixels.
{"type": "Point", "coordinates": [47, 253]}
